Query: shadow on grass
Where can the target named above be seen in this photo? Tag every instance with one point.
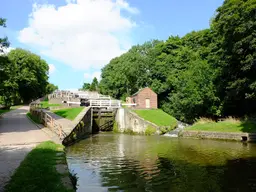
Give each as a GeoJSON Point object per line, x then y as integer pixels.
{"type": "Point", "coordinates": [248, 126]}
{"type": "Point", "coordinates": [37, 172]}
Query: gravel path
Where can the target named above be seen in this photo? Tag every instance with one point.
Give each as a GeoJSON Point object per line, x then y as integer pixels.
{"type": "Point", "coordinates": [18, 135]}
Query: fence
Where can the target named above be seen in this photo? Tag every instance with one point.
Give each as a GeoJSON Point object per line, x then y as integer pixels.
{"type": "Point", "coordinates": [47, 120]}
{"type": "Point", "coordinates": [105, 103]}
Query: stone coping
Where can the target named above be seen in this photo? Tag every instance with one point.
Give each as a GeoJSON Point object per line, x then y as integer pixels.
{"type": "Point", "coordinates": [235, 136]}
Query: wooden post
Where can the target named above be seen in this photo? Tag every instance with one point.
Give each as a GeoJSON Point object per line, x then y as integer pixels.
{"type": "Point", "coordinates": [60, 131]}
{"type": "Point", "coordinates": [52, 122]}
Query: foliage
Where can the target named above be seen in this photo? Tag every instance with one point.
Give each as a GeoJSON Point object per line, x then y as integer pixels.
{"type": "Point", "coordinates": [208, 73]}
{"type": "Point", "coordinates": [157, 116]}
{"type": "Point", "coordinates": [4, 43]}
{"type": "Point", "coordinates": [234, 29]}
{"type": "Point", "coordinates": [150, 130]}
{"type": "Point", "coordinates": [91, 87]}
{"type": "Point", "coordinates": [51, 88]}
{"type": "Point", "coordinates": [94, 84]}
{"type": "Point", "coordinates": [69, 113]}
{"type": "Point", "coordinates": [165, 129]}
{"type": "Point", "coordinates": [86, 86]}
{"type": "Point", "coordinates": [23, 77]}
{"type": "Point", "coordinates": [34, 118]}
{"type": "Point", "coordinates": [37, 172]}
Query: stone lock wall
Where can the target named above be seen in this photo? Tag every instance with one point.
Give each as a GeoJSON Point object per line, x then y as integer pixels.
{"type": "Point", "coordinates": [127, 120]}
{"type": "Point", "coordinates": [82, 130]}
{"type": "Point", "coordinates": [214, 135]}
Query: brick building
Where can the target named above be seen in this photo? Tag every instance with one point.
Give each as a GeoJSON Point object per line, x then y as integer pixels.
{"type": "Point", "coordinates": [144, 99]}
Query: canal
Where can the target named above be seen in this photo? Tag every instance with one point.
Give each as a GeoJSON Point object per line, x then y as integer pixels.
{"type": "Point", "coordinates": [118, 162]}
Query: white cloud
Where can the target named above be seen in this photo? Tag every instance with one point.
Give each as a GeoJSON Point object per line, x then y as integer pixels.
{"type": "Point", "coordinates": [90, 76]}
{"type": "Point", "coordinates": [52, 68]}
{"type": "Point", "coordinates": [83, 34]}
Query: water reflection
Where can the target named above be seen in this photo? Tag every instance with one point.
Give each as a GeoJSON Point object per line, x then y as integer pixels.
{"type": "Point", "coordinates": [112, 162]}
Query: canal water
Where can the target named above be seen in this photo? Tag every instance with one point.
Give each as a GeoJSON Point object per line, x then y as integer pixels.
{"type": "Point", "coordinates": [118, 162]}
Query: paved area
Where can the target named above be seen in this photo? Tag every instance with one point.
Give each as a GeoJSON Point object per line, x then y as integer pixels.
{"type": "Point", "coordinates": [18, 135]}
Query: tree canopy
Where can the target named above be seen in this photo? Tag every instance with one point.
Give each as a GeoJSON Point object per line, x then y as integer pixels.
{"type": "Point", "coordinates": [23, 75]}
{"type": "Point", "coordinates": [94, 86]}
{"type": "Point", "coordinates": [204, 73]}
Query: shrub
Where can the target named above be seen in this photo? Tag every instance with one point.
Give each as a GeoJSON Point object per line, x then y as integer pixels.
{"type": "Point", "coordinates": [150, 130]}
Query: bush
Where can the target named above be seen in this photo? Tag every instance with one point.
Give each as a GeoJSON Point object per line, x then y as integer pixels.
{"type": "Point", "coordinates": [150, 130]}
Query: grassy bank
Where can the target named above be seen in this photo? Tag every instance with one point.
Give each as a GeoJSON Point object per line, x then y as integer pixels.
{"type": "Point", "coordinates": [37, 172]}
{"type": "Point", "coordinates": [33, 118]}
{"type": "Point", "coordinates": [69, 113]}
{"type": "Point", "coordinates": [46, 104]}
{"type": "Point", "coordinates": [227, 125]}
{"type": "Point", "coordinates": [157, 116]}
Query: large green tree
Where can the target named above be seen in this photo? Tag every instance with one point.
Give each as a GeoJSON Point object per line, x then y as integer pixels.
{"type": "Point", "coordinates": [30, 73]}
{"type": "Point", "coordinates": [204, 73]}
{"type": "Point", "coordinates": [235, 33]}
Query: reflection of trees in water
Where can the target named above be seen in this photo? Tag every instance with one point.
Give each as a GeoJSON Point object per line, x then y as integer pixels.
{"type": "Point", "coordinates": [240, 175]}
{"type": "Point", "coordinates": [171, 176]}
{"type": "Point", "coordinates": [138, 164]}
{"type": "Point", "coordinates": [129, 175]}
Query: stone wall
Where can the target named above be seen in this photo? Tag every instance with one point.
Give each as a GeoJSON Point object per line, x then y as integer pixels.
{"type": "Point", "coordinates": [214, 135]}
{"type": "Point", "coordinates": [82, 129]}
{"type": "Point", "coordinates": [127, 120]}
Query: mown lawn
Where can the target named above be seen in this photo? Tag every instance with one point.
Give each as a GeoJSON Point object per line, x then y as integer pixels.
{"type": "Point", "coordinates": [69, 113]}
{"type": "Point", "coordinates": [157, 116]}
{"type": "Point", "coordinates": [225, 126]}
{"type": "Point", "coordinates": [37, 172]}
{"type": "Point", "coordinates": [33, 118]}
{"type": "Point", "coordinates": [46, 104]}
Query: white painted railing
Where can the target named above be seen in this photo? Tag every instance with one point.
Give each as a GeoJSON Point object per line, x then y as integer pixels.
{"type": "Point", "coordinates": [105, 103]}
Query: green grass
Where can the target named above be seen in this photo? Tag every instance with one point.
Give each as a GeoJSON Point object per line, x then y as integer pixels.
{"type": "Point", "coordinates": [37, 172]}
{"type": "Point", "coordinates": [158, 117]}
{"type": "Point", "coordinates": [69, 113]}
{"type": "Point", "coordinates": [33, 118]}
{"type": "Point", "coordinates": [227, 125]}
{"type": "Point", "coordinates": [46, 104]}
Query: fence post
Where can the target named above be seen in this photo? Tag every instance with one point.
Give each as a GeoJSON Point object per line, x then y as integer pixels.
{"type": "Point", "coordinates": [60, 131]}
{"type": "Point", "coordinates": [51, 121]}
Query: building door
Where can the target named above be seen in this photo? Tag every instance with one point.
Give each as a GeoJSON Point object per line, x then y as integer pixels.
{"type": "Point", "coordinates": [147, 103]}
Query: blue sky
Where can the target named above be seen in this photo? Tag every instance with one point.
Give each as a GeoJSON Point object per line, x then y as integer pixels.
{"type": "Point", "coordinates": [78, 37]}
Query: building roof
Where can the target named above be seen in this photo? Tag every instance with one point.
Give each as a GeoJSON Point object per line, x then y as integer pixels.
{"type": "Point", "coordinates": [141, 90]}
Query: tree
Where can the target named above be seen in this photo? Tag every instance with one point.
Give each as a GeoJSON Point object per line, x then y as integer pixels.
{"type": "Point", "coordinates": [51, 88]}
{"type": "Point", "coordinates": [234, 29]}
{"type": "Point", "coordinates": [30, 73]}
{"type": "Point", "coordinates": [4, 43]}
{"type": "Point", "coordinates": [86, 86]}
{"type": "Point", "coordinates": [94, 84]}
